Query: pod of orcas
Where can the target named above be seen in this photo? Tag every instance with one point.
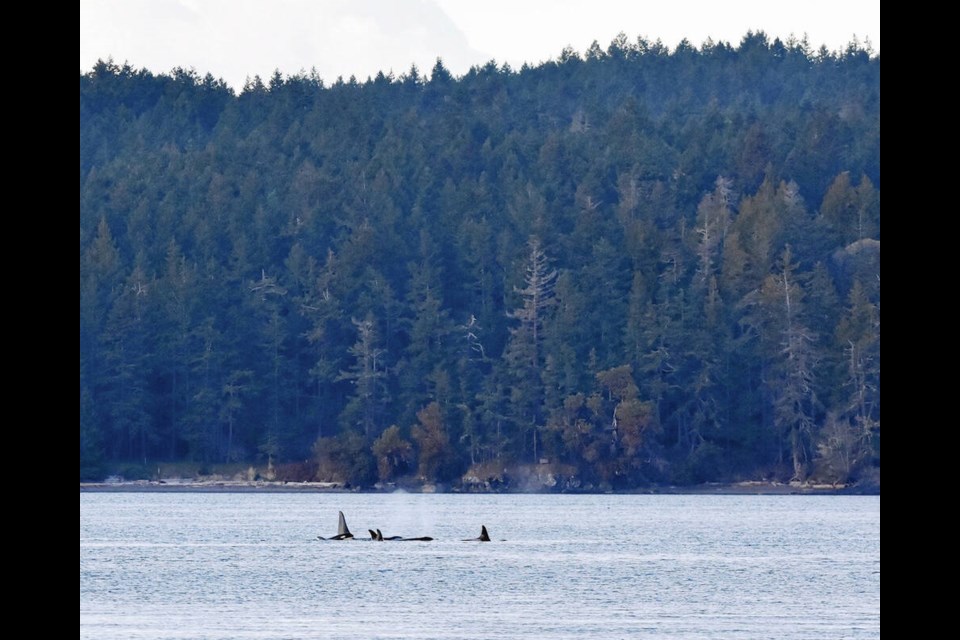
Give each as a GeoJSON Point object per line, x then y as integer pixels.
{"type": "Point", "coordinates": [343, 533]}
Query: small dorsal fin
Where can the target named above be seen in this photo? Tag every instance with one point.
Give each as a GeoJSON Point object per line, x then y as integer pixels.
{"type": "Point", "coordinates": [379, 536]}
{"type": "Point", "coordinates": [373, 534]}
{"type": "Point", "coordinates": [484, 536]}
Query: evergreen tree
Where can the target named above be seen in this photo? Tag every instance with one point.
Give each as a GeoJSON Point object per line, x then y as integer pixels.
{"type": "Point", "coordinates": [791, 352]}
{"type": "Point", "coordinates": [364, 410]}
{"type": "Point", "coordinates": [524, 353]}
{"type": "Point", "coordinates": [858, 334]}
{"type": "Point", "coordinates": [226, 241]}
{"type": "Point", "coordinates": [429, 346]}
{"type": "Point", "coordinates": [269, 306]}
{"type": "Point", "coordinates": [323, 309]}
{"type": "Point", "coordinates": [127, 347]}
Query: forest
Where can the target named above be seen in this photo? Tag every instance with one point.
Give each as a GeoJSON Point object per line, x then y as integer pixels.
{"type": "Point", "coordinates": [628, 266]}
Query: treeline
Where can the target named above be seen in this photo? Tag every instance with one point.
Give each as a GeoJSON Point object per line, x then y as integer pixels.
{"type": "Point", "coordinates": [637, 264]}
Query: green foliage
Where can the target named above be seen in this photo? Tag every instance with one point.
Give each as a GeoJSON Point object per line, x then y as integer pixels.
{"type": "Point", "coordinates": [584, 260]}
{"type": "Point", "coordinates": [703, 464]}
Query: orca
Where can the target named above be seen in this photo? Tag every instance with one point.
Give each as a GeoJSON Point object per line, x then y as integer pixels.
{"type": "Point", "coordinates": [378, 536]}
{"type": "Point", "coordinates": [343, 533]}
{"type": "Point", "coordinates": [484, 536]}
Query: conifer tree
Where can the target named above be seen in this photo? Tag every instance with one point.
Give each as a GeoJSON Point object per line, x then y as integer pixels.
{"type": "Point", "coordinates": [524, 353]}
{"type": "Point", "coordinates": [364, 410]}
{"type": "Point", "coordinates": [790, 349]}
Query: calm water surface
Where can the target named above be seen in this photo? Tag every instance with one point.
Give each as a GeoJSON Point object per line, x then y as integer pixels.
{"type": "Point", "coordinates": [243, 565]}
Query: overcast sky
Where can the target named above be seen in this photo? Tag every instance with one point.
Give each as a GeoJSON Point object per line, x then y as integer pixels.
{"type": "Point", "coordinates": [237, 39]}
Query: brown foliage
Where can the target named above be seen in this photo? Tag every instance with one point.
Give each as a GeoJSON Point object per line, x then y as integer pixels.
{"type": "Point", "coordinates": [305, 471]}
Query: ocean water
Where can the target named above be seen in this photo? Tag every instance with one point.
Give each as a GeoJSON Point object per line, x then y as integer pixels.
{"type": "Point", "coordinates": [249, 565]}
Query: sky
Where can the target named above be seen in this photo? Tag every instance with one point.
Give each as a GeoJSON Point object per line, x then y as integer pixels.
{"type": "Point", "coordinates": [237, 39]}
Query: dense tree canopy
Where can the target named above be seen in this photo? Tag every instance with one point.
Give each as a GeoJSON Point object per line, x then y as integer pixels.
{"type": "Point", "coordinates": [644, 265]}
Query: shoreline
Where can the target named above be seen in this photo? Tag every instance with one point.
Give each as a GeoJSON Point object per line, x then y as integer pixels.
{"type": "Point", "coordinates": [263, 486]}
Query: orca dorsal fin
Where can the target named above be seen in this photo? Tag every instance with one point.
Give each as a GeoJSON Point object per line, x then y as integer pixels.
{"type": "Point", "coordinates": [373, 534]}
{"type": "Point", "coordinates": [484, 536]}
{"type": "Point", "coordinates": [342, 529]}
{"type": "Point", "coordinates": [379, 536]}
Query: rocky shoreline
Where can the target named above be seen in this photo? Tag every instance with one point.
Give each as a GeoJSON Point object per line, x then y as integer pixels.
{"type": "Point", "coordinates": [265, 486]}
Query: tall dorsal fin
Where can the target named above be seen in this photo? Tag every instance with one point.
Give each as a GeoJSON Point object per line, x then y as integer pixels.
{"type": "Point", "coordinates": [373, 534]}
{"type": "Point", "coordinates": [342, 529]}
{"type": "Point", "coordinates": [379, 536]}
